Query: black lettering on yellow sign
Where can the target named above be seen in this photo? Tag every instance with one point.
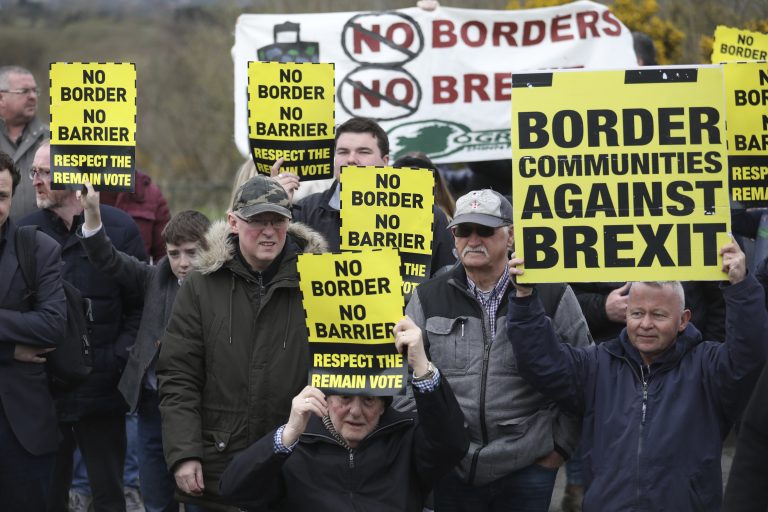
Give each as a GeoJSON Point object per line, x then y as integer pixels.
{"type": "Point", "coordinates": [751, 143]}
{"type": "Point", "coordinates": [581, 241]}
{"type": "Point", "coordinates": [351, 288]}
{"type": "Point", "coordinates": [290, 92]}
{"type": "Point", "coordinates": [745, 53]}
{"type": "Point", "coordinates": [94, 133]}
{"type": "Point", "coordinates": [291, 130]}
{"type": "Point", "coordinates": [633, 164]}
{"type": "Point", "coordinates": [634, 199]}
{"type": "Point", "coordinates": [403, 241]}
{"type": "Point", "coordinates": [601, 127]}
{"type": "Point", "coordinates": [352, 312]}
{"type": "Point", "coordinates": [394, 199]}
{"type": "Point", "coordinates": [355, 331]}
{"type": "Point", "coordinates": [108, 94]}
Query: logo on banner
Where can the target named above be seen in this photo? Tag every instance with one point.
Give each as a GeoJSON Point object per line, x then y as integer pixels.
{"type": "Point", "coordinates": [381, 42]}
{"type": "Point", "coordinates": [289, 51]}
{"type": "Point", "coordinates": [439, 138]}
{"type": "Point", "coordinates": [400, 42]}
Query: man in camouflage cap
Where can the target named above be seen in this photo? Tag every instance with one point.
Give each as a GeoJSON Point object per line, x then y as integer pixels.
{"type": "Point", "coordinates": [235, 352]}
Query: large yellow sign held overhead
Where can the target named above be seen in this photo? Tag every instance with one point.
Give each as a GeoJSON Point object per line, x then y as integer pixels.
{"type": "Point", "coordinates": [93, 125]}
{"type": "Point", "coordinates": [390, 207]}
{"type": "Point", "coordinates": [352, 302]}
{"type": "Point", "coordinates": [620, 175]}
{"type": "Point", "coordinates": [734, 45]}
{"type": "Point", "coordinates": [291, 116]}
{"type": "Point", "coordinates": [746, 85]}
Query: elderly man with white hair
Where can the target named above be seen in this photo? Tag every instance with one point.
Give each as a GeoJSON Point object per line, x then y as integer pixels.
{"type": "Point", "coordinates": [658, 400]}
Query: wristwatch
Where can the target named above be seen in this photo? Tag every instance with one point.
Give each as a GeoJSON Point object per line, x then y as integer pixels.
{"type": "Point", "coordinates": [430, 373]}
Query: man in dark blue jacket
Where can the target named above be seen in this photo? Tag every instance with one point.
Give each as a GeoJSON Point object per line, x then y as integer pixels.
{"type": "Point", "coordinates": [658, 400]}
{"type": "Point", "coordinates": [30, 325]}
{"type": "Point", "coordinates": [93, 413]}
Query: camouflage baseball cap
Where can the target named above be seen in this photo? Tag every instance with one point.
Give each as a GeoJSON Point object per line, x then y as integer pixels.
{"type": "Point", "coordinates": [261, 194]}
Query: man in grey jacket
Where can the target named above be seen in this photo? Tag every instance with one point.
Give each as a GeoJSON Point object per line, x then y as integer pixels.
{"type": "Point", "coordinates": [518, 438]}
{"type": "Point", "coordinates": [20, 131]}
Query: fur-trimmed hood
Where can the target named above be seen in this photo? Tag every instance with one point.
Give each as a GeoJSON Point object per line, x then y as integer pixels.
{"type": "Point", "coordinates": [221, 245]}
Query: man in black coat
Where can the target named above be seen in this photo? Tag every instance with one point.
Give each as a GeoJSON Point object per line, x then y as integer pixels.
{"type": "Point", "coordinates": [30, 326]}
{"type": "Point", "coordinates": [354, 452]}
{"type": "Point", "coordinates": [93, 412]}
{"type": "Point", "coordinates": [362, 142]}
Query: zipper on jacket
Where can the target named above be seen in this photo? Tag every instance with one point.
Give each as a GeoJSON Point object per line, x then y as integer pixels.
{"type": "Point", "coordinates": [645, 391]}
{"type": "Point", "coordinates": [88, 309]}
{"type": "Point", "coordinates": [483, 386]}
{"type": "Point", "coordinates": [644, 379]}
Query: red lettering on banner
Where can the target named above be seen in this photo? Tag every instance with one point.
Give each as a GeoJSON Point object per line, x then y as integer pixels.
{"type": "Point", "coordinates": [474, 34]}
{"type": "Point", "coordinates": [373, 98]}
{"type": "Point", "coordinates": [444, 89]}
{"type": "Point", "coordinates": [504, 30]}
{"type": "Point", "coordinates": [401, 29]}
{"type": "Point", "coordinates": [407, 33]}
{"type": "Point", "coordinates": [610, 19]}
{"type": "Point", "coordinates": [480, 31]}
{"type": "Point", "coordinates": [502, 84]}
{"type": "Point", "coordinates": [359, 37]}
{"type": "Point", "coordinates": [528, 37]}
{"type": "Point", "coordinates": [442, 34]}
{"type": "Point", "coordinates": [475, 83]}
{"type": "Point", "coordinates": [558, 27]}
{"type": "Point", "coordinates": [587, 20]}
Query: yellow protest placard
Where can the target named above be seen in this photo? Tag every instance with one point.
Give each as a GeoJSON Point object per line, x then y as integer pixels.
{"type": "Point", "coordinates": [93, 125]}
{"type": "Point", "coordinates": [746, 86]}
{"type": "Point", "coordinates": [735, 45]}
{"type": "Point", "coordinates": [352, 301]}
{"type": "Point", "coordinates": [620, 175]}
{"type": "Point", "coordinates": [390, 207]}
{"type": "Point", "coordinates": [291, 116]}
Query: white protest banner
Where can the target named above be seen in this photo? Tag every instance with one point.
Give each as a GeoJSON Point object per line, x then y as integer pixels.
{"type": "Point", "coordinates": [439, 81]}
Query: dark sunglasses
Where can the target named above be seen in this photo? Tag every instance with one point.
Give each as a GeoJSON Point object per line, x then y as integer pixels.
{"type": "Point", "coordinates": [466, 230]}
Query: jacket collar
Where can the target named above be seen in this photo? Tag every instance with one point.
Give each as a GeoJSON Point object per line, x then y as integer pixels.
{"type": "Point", "coordinates": [390, 420]}
{"type": "Point", "coordinates": [221, 246]}
{"type": "Point", "coordinates": [685, 342]}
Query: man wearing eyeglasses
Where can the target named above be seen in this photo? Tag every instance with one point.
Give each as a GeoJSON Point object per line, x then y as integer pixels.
{"type": "Point", "coordinates": [235, 351]}
{"type": "Point", "coordinates": [92, 413]}
{"type": "Point", "coordinates": [20, 131]}
{"type": "Point", "coordinates": [518, 438]}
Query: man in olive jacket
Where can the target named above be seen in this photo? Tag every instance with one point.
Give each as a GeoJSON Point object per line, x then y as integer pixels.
{"type": "Point", "coordinates": [235, 350]}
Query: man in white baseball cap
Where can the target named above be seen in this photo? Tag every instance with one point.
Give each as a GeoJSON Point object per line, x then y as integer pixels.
{"type": "Point", "coordinates": [518, 438]}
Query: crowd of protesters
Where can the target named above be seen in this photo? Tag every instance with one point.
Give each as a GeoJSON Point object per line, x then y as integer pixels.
{"type": "Point", "coordinates": [198, 327]}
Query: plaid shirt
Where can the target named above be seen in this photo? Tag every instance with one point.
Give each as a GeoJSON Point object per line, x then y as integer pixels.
{"type": "Point", "coordinates": [490, 300]}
